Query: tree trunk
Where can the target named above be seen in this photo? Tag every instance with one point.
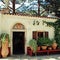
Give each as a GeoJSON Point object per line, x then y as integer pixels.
{"type": "Point", "coordinates": [38, 7]}
{"type": "Point", "coordinates": [13, 6]}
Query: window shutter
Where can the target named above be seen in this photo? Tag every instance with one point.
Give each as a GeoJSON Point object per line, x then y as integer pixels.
{"type": "Point", "coordinates": [46, 34]}
{"type": "Point", "coordinates": [35, 35]}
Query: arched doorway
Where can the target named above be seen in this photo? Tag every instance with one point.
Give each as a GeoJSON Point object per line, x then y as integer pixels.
{"type": "Point", "coordinates": [18, 40]}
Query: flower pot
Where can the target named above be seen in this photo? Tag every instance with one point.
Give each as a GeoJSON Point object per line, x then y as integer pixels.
{"type": "Point", "coordinates": [54, 45]}
{"type": "Point", "coordinates": [5, 51]}
{"type": "Point", "coordinates": [49, 48]}
{"type": "Point", "coordinates": [38, 48]}
{"type": "Point", "coordinates": [44, 47]}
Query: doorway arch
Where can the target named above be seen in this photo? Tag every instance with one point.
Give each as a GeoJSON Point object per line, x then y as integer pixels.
{"type": "Point", "coordinates": [19, 26]}
{"type": "Point", "coordinates": [18, 39]}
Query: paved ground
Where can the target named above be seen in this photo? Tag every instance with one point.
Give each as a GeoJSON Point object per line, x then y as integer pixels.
{"type": "Point", "coordinates": [26, 57]}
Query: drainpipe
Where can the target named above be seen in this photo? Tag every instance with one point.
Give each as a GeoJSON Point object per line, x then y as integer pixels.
{"type": "Point", "coordinates": [13, 6]}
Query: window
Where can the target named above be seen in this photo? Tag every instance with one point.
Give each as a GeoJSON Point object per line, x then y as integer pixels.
{"type": "Point", "coordinates": [40, 34]}
{"type": "Point", "coordinates": [37, 34]}
{"type": "Point", "coordinates": [46, 34]}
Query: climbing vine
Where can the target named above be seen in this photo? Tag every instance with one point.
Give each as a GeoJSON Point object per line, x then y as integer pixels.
{"type": "Point", "coordinates": [56, 26]}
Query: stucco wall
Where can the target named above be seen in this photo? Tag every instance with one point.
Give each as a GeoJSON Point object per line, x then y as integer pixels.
{"type": "Point", "coordinates": [8, 22]}
{"type": "Point", "coordinates": [0, 23]}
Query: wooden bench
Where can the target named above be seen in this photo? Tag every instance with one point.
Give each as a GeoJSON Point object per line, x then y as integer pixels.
{"type": "Point", "coordinates": [30, 52]}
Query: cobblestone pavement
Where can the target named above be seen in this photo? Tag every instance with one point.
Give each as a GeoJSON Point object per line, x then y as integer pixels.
{"type": "Point", "coordinates": [26, 57]}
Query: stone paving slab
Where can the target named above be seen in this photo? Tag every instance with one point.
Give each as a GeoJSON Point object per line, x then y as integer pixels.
{"type": "Point", "coordinates": [26, 57]}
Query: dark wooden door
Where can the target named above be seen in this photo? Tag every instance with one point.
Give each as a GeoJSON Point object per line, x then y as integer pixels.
{"type": "Point", "coordinates": [18, 43]}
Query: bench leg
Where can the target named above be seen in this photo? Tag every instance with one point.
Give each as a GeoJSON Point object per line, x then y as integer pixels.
{"type": "Point", "coordinates": [48, 52]}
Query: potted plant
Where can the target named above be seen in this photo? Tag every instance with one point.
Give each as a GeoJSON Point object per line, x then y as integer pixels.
{"type": "Point", "coordinates": [43, 42]}
{"type": "Point", "coordinates": [58, 41]}
{"type": "Point", "coordinates": [54, 44]}
{"type": "Point", "coordinates": [50, 44]}
{"type": "Point", "coordinates": [33, 45]}
{"type": "Point", "coordinates": [5, 44]}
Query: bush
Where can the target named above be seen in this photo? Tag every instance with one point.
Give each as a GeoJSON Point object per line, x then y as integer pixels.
{"type": "Point", "coordinates": [33, 44]}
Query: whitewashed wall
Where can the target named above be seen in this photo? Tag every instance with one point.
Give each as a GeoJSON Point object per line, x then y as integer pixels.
{"type": "Point", "coordinates": [0, 22]}
{"type": "Point", "coordinates": [8, 22]}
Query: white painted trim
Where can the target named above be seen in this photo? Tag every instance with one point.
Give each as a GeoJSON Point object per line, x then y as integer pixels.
{"type": "Point", "coordinates": [11, 44]}
{"type": "Point", "coordinates": [17, 30]}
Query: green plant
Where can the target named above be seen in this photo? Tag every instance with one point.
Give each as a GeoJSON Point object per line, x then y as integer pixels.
{"type": "Point", "coordinates": [56, 26]}
{"type": "Point", "coordinates": [44, 41]}
{"type": "Point", "coordinates": [33, 44]}
{"type": "Point", "coordinates": [31, 12]}
{"type": "Point", "coordinates": [4, 36]}
{"type": "Point", "coordinates": [5, 44]}
{"type": "Point", "coordinates": [50, 42]}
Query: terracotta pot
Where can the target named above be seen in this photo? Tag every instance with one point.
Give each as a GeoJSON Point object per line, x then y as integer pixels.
{"type": "Point", "coordinates": [49, 48]}
{"type": "Point", "coordinates": [44, 47]}
{"type": "Point", "coordinates": [54, 45]}
{"type": "Point", "coordinates": [38, 48]}
{"type": "Point", "coordinates": [4, 51]}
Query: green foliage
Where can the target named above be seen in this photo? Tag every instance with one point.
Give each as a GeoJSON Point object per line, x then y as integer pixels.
{"type": "Point", "coordinates": [57, 32]}
{"type": "Point", "coordinates": [31, 12]}
{"type": "Point", "coordinates": [4, 36]}
{"type": "Point", "coordinates": [54, 5]}
{"type": "Point", "coordinates": [56, 25]}
{"type": "Point", "coordinates": [33, 44]}
{"type": "Point", "coordinates": [44, 41]}
{"type": "Point", "coordinates": [49, 23]}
